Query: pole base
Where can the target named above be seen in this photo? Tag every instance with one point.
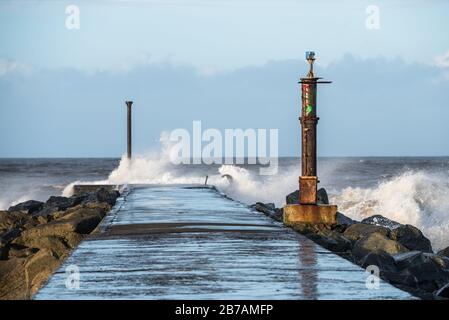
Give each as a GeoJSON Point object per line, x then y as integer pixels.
{"type": "Point", "coordinates": [310, 213]}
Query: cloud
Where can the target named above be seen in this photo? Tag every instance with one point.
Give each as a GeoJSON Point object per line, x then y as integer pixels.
{"type": "Point", "coordinates": [373, 107]}
{"type": "Point", "coordinates": [10, 66]}
{"type": "Point", "coordinates": [443, 60]}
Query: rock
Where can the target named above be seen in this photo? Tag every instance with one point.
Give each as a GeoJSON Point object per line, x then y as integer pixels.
{"type": "Point", "coordinates": [3, 251]}
{"type": "Point", "coordinates": [34, 242]}
{"type": "Point", "coordinates": [324, 236]}
{"type": "Point", "coordinates": [54, 244]}
{"type": "Point", "coordinates": [344, 220]}
{"type": "Point", "coordinates": [403, 277]}
{"type": "Point", "coordinates": [38, 268]}
{"type": "Point", "coordinates": [56, 203]}
{"type": "Point", "coordinates": [20, 278]}
{"type": "Point", "coordinates": [322, 197]}
{"type": "Point", "coordinates": [376, 242]}
{"type": "Point", "coordinates": [29, 206]}
{"type": "Point", "coordinates": [331, 240]}
{"type": "Point", "coordinates": [360, 230]}
{"type": "Point", "coordinates": [99, 195]}
{"type": "Point", "coordinates": [16, 251]}
{"type": "Point", "coordinates": [382, 260]}
{"type": "Point", "coordinates": [292, 198]}
{"type": "Point", "coordinates": [109, 197]}
{"type": "Point", "coordinates": [443, 292]}
{"type": "Point", "coordinates": [84, 218]}
{"type": "Point", "coordinates": [15, 219]}
{"type": "Point", "coordinates": [444, 252]}
{"type": "Point", "coordinates": [381, 221]}
{"type": "Point", "coordinates": [411, 238]}
{"type": "Point", "coordinates": [13, 284]}
{"type": "Point", "coordinates": [9, 235]}
{"type": "Point", "coordinates": [429, 269]}
{"type": "Point", "coordinates": [269, 209]}
{"type": "Point", "coordinates": [403, 260]}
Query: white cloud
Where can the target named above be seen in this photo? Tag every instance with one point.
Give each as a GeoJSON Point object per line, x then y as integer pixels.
{"type": "Point", "coordinates": [443, 60]}
{"type": "Point", "coordinates": [10, 66]}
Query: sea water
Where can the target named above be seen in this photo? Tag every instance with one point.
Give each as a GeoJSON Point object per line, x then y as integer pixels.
{"type": "Point", "coordinates": [409, 190]}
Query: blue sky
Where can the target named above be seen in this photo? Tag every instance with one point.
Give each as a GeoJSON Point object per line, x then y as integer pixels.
{"type": "Point", "coordinates": [228, 63]}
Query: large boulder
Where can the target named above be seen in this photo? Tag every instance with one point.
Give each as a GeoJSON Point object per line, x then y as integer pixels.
{"type": "Point", "coordinates": [381, 221]}
{"type": "Point", "coordinates": [54, 244]}
{"type": "Point", "coordinates": [292, 198]}
{"type": "Point", "coordinates": [360, 230]}
{"type": "Point", "coordinates": [444, 252]}
{"type": "Point", "coordinates": [13, 219]}
{"type": "Point", "coordinates": [382, 260]}
{"type": "Point", "coordinates": [100, 195]}
{"type": "Point", "coordinates": [29, 206]}
{"type": "Point", "coordinates": [38, 268]}
{"type": "Point", "coordinates": [56, 203]}
{"type": "Point", "coordinates": [331, 240]}
{"type": "Point", "coordinates": [269, 209]}
{"type": "Point", "coordinates": [324, 236]}
{"type": "Point", "coordinates": [85, 218]}
{"type": "Point", "coordinates": [403, 278]}
{"type": "Point", "coordinates": [13, 285]}
{"type": "Point", "coordinates": [344, 220]}
{"type": "Point", "coordinates": [322, 198]}
{"type": "Point", "coordinates": [411, 238]}
{"type": "Point", "coordinates": [10, 235]}
{"type": "Point", "coordinates": [376, 242]}
{"type": "Point", "coordinates": [430, 270]}
{"type": "Point", "coordinates": [18, 251]}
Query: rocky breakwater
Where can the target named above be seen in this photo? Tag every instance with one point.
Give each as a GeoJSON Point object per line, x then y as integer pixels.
{"type": "Point", "coordinates": [35, 237]}
{"type": "Point", "coordinates": [402, 253]}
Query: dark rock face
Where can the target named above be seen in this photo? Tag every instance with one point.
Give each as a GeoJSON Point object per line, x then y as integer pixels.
{"type": "Point", "coordinates": [325, 236]}
{"type": "Point", "coordinates": [29, 206]}
{"type": "Point", "coordinates": [269, 209]}
{"type": "Point", "coordinates": [292, 198]}
{"type": "Point", "coordinates": [332, 241]}
{"type": "Point", "coordinates": [443, 292]}
{"type": "Point", "coordinates": [322, 198]}
{"type": "Point", "coordinates": [344, 220]}
{"type": "Point", "coordinates": [379, 220]}
{"type": "Point", "coordinates": [411, 238]}
{"type": "Point", "coordinates": [444, 252]}
{"type": "Point", "coordinates": [34, 243]}
{"type": "Point", "coordinates": [360, 230]}
{"type": "Point", "coordinates": [376, 242]}
{"type": "Point", "coordinates": [382, 260]}
{"type": "Point", "coordinates": [429, 271]}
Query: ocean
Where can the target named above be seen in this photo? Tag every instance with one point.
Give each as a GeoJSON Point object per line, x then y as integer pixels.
{"type": "Point", "coordinates": [409, 190]}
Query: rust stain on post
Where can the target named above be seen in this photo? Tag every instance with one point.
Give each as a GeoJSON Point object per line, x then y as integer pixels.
{"type": "Point", "coordinates": [307, 209]}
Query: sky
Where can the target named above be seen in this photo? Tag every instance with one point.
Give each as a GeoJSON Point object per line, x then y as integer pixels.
{"type": "Point", "coordinates": [228, 63]}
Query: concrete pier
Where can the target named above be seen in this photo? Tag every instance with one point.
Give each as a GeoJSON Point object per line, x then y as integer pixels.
{"type": "Point", "coordinates": [191, 242]}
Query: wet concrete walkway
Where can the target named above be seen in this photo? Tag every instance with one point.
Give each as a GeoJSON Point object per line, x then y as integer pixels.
{"type": "Point", "coordinates": [187, 242]}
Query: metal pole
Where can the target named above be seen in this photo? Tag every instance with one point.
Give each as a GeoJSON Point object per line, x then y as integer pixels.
{"type": "Point", "coordinates": [308, 180]}
{"type": "Point", "coordinates": [308, 210]}
{"type": "Point", "coordinates": [129, 104]}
